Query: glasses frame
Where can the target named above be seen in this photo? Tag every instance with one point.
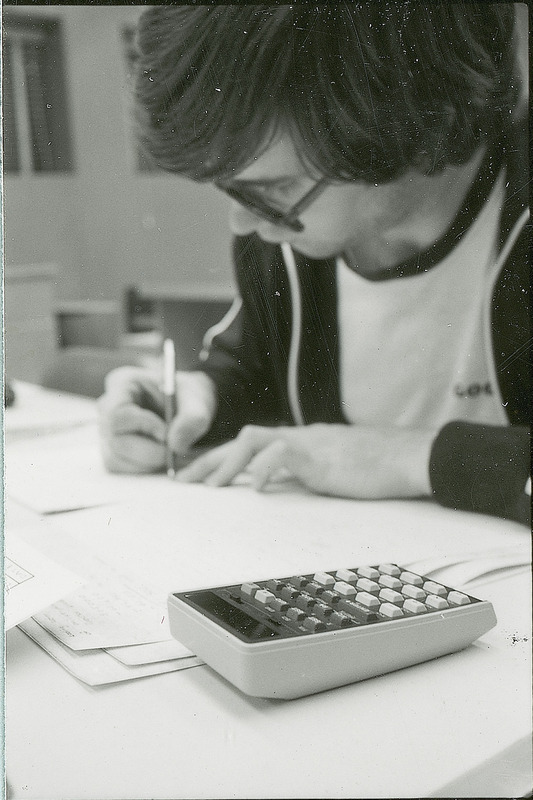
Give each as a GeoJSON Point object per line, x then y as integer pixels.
{"type": "Point", "coordinates": [289, 219]}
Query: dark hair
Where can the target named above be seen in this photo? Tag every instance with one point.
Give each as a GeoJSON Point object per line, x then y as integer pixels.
{"type": "Point", "coordinates": [367, 90]}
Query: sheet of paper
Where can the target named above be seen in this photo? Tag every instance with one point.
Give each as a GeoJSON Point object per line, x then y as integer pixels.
{"type": "Point", "coordinates": [38, 410]}
{"type": "Point", "coordinates": [149, 653]}
{"type": "Point", "coordinates": [60, 472]}
{"type": "Point", "coordinates": [96, 667]}
{"type": "Point", "coordinates": [64, 472]}
{"type": "Point", "coordinates": [468, 565]}
{"type": "Point", "coordinates": [201, 536]}
{"type": "Point", "coordinates": [111, 609]}
{"type": "Point", "coordinates": [105, 613]}
{"type": "Point", "coordinates": [32, 581]}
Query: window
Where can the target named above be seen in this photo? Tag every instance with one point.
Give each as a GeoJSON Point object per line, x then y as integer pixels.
{"type": "Point", "coordinates": [35, 129]}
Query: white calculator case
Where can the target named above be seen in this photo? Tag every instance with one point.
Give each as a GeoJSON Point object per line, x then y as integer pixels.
{"type": "Point", "coordinates": [291, 665]}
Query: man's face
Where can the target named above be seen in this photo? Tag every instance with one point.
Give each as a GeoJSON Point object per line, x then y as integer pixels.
{"type": "Point", "coordinates": [348, 216]}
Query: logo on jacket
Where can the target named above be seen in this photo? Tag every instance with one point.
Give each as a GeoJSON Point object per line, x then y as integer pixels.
{"type": "Point", "coordinates": [473, 389]}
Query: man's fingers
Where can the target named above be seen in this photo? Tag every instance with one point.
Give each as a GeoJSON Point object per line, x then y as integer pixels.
{"type": "Point", "coordinates": [131, 425]}
{"type": "Point", "coordinates": [250, 441]}
{"type": "Point", "coordinates": [234, 462]}
{"type": "Point", "coordinates": [126, 385]}
{"type": "Point", "coordinates": [186, 429]}
{"type": "Point", "coordinates": [130, 419]}
{"type": "Point", "coordinates": [132, 440]}
{"type": "Point", "coordinates": [133, 453]}
{"type": "Point", "coordinates": [267, 464]}
{"type": "Point", "coordinates": [221, 465]}
{"type": "Point", "coordinates": [203, 466]}
{"type": "Point", "coordinates": [196, 400]}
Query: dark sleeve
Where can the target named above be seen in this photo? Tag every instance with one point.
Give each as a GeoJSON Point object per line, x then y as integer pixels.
{"type": "Point", "coordinates": [241, 356]}
{"type": "Point", "coordinates": [482, 468]}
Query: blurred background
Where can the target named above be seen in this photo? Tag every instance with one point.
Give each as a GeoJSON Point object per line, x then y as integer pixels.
{"type": "Point", "coordinates": [102, 254]}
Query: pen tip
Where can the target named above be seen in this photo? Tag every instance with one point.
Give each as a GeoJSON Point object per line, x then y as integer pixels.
{"type": "Point", "coordinates": [171, 472]}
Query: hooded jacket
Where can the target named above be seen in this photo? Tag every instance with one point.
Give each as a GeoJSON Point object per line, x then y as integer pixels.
{"type": "Point", "coordinates": [274, 358]}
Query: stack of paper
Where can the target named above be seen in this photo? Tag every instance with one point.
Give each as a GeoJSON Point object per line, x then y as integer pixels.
{"type": "Point", "coordinates": [111, 628]}
{"type": "Point", "coordinates": [100, 666]}
{"type": "Point", "coordinates": [103, 630]}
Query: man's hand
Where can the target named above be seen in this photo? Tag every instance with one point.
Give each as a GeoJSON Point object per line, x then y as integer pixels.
{"type": "Point", "coordinates": [342, 460]}
{"type": "Point", "coordinates": [132, 429]}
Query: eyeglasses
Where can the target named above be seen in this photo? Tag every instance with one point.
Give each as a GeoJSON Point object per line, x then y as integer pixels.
{"type": "Point", "coordinates": [258, 206]}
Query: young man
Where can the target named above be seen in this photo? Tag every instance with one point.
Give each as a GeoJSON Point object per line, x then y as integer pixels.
{"type": "Point", "coordinates": [374, 155]}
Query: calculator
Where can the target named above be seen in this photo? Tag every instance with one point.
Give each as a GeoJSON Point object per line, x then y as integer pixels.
{"type": "Point", "coordinates": [294, 636]}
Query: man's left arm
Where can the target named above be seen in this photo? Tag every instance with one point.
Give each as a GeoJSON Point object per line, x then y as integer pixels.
{"type": "Point", "coordinates": [482, 468]}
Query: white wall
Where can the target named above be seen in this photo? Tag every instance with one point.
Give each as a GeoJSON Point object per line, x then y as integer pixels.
{"type": "Point", "coordinates": [107, 225]}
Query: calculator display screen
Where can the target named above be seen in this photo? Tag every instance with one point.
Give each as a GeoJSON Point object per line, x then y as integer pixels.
{"type": "Point", "coordinates": [230, 617]}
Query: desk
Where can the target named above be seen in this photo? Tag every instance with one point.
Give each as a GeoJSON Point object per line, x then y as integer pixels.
{"type": "Point", "coordinates": [462, 721]}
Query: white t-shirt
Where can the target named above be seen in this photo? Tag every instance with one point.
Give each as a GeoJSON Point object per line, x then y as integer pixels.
{"type": "Point", "coordinates": [416, 351]}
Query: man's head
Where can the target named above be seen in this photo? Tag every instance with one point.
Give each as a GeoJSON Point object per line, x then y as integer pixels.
{"type": "Point", "coordinates": [365, 90]}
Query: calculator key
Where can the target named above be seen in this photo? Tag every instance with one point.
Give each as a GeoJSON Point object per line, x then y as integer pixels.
{"type": "Point", "coordinates": [389, 569]}
{"type": "Point", "coordinates": [390, 582]}
{"type": "Point", "coordinates": [345, 589]}
{"type": "Point", "coordinates": [367, 599]}
{"type": "Point", "coordinates": [289, 593]}
{"type": "Point", "coordinates": [328, 596]}
{"type": "Point", "coordinates": [295, 614]}
{"type": "Point", "coordinates": [414, 606]}
{"type": "Point", "coordinates": [458, 598]}
{"type": "Point", "coordinates": [436, 603]}
{"type": "Point", "coordinates": [305, 601]}
{"type": "Point", "coordinates": [264, 597]}
{"type": "Point", "coordinates": [322, 611]}
{"type": "Point", "coordinates": [410, 577]}
{"type": "Point", "coordinates": [340, 619]}
{"type": "Point", "coordinates": [391, 611]}
{"type": "Point", "coordinates": [279, 605]}
{"type": "Point", "coordinates": [299, 581]}
{"type": "Point", "coordinates": [368, 572]}
{"type": "Point", "coordinates": [313, 624]}
{"type": "Point", "coordinates": [435, 588]}
{"type": "Point", "coordinates": [360, 614]}
{"type": "Point", "coordinates": [249, 589]}
{"type": "Point", "coordinates": [391, 596]}
{"type": "Point", "coordinates": [314, 588]}
{"type": "Point", "coordinates": [414, 591]}
{"type": "Point", "coordinates": [324, 578]}
{"type": "Point", "coordinates": [346, 575]}
{"type": "Point", "coordinates": [366, 585]}
{"type": "Point", "coordinates": [274, 585]}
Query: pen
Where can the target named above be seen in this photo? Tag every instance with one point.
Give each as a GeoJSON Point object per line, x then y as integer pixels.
{"type": "Point", "coordinates": [169, 392]}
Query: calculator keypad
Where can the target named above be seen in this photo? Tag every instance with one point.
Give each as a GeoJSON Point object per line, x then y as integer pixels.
{"type": "Point", "coordinates": [328, 601]}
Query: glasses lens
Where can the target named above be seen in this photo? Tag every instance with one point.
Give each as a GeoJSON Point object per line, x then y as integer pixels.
{"type": "Point", "coordinates": [259, 207]}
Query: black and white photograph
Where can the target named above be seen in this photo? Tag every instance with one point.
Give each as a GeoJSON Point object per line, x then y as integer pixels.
{"type": "Point", "coordinates": [266, 368]}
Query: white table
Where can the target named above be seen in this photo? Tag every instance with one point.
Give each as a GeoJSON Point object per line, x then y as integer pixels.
{"type": "Point", "coordinates": [459, 725]}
